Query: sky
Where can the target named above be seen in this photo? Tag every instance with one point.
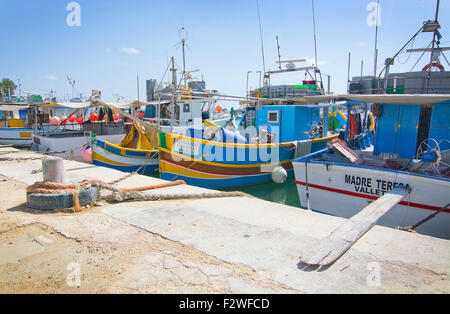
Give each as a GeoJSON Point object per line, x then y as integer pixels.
{"type": "Point", "coordinates": [118, 40]}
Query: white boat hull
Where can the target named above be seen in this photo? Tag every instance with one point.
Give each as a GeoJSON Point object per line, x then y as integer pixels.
{"type": "Point", "coordinates": [343, 190]}
{"type": "Point", "coordinates": [69, 147]}
{"type": "Point", "coordinates": [16, 136]}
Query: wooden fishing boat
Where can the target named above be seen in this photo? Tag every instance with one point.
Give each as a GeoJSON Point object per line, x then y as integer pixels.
{"type": "Point", "coordinates": [136, 153]}
{"type": "Point", "coordinates": [217, 157]}
{"type": "Point", "coordinates": [340, 180]}
{"type": "Point", "coordinates": [411, 149]}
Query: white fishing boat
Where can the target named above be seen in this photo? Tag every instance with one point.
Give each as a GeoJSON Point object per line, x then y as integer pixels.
{"type": "Point", "coordinates": [411, 149]}
{"type": "Point", "coordinates": [69, 132]}
{"type": "Point", "coordinates": [15, 128]}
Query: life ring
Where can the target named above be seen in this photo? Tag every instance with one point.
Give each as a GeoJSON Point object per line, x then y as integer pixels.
{"type": "Point", "coordinates": [434, 64]}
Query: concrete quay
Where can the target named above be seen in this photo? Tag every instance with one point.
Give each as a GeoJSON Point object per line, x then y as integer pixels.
{"type": "Point", "coordinates": [215, 245]}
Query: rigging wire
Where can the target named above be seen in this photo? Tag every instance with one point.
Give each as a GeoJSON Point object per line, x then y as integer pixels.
{"type": "Point", "coordinates": [425, 50]}
{"type": "Point", "coordinates": [442, 53]}
{"type": "Point", "coordinates": [409, 54]}
{"type": "Point", "coordinates": [162, 79]}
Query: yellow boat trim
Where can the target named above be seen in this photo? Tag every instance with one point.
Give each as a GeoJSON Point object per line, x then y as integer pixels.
{"type": "Point", "coordinates": [221, 164]}
{"type": "Point", "coordinates": [170, 141]}
{"type": "Point", "coordinates": [128, 149]}
{"type": "Point", "coordinates": [168, 167]}
{"type": "Point", "coordinates": [325, 139]}
{"type": "Point", "coordinates": [97, 156]}
{"type": "Point", "coordinates": [235, 145]}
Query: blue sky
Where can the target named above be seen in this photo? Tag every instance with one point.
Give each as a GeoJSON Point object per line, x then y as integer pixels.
{"type": "Point", "coordinates": [118, 40]}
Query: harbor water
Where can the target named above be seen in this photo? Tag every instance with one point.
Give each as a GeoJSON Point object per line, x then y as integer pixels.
{"type": "Point", "coordinates": [285, 193]}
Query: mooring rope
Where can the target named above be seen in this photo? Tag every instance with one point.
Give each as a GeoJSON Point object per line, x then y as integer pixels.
{"type": "Point", "coordinates": [414, 226]}
{"type": "Point", "coordinates": [120, 195]}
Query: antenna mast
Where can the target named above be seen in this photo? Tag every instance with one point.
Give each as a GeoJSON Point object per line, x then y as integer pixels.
{"type": "Point", "coordinates": [376, 41]}
{"type": "Point", "coordinates": [183, 44]}
{"type": "Point", "coordinates": [174, 73]}
{"type": "Point", "coordinates": [74, 90]}
{"type": "Point", "coordinates": [260, 35]}
{"type": "Point", "coordinates": [315, 41]}
{"type": "Point", "coordinates": [279, 55]}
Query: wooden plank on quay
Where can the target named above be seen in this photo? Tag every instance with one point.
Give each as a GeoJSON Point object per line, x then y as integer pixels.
{"type": "Point", "coordinates": [341, 239]}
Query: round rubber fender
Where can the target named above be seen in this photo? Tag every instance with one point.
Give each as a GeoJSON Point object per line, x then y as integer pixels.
{"type": "Point", "coordinates": [59, 201]}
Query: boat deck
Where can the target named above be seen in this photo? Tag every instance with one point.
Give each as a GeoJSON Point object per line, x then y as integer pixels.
{"type": "Point", "coordinates": [217, 245]}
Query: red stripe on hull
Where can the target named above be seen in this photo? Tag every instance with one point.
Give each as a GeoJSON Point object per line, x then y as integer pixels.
{"type": "Point", "coordinates": [404, 203]}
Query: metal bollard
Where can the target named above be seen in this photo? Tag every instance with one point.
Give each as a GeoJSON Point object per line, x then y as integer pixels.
{"type": "Point", "coordinates": [53, 170]}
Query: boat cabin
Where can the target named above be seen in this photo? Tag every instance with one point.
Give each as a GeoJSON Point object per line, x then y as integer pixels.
{"type": "Point", "coordinates": [402, 128]}
{"type": "Point", "coordinates": [287, 123]}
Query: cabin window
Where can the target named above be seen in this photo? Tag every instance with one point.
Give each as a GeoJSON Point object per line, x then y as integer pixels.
{"type": "Point", "coordinates": [186, 108]}
{"type": "Point", "coordinates": [272, 116]}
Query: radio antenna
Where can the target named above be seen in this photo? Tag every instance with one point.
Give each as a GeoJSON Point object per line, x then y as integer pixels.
{"type": "Point", "coordinates": [260, 35]}
{"type": "Point", "coordinates": [315, 41]}
{"type": "Point", "coordinates": [279, 55]}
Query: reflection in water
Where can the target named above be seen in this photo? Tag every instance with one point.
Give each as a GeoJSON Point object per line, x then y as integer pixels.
{"type": "Point", "coordinates": [285, 193]}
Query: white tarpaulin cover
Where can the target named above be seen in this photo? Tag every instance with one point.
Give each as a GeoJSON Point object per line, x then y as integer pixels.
{"type": "Point", "coordinates": [121, 105]}
{"type": "Point", "coordinates": [12, 107]}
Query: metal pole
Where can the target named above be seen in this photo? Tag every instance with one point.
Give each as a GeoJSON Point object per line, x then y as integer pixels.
{"type": "Point", "coordinates": [246, 90]}
{"type": "Point", "coordinates": [329, 82]}
{"type": "Point", "coordinates": [137, 81]}
{"type": "Point", "coordinates": [315, 41]}
{"type": "Point", "coordinates": [307, 187]}
{"type": "Point", "coordinates": [174, 73]}
{"type": "Point", "coordinates": [260, 75]}
{"type": "Point", "coordinates": [184, 64]}
{"type": "Point", "coordinates": [348, 72]}
{"type": "Point", "coordinates": [362, 67]}
{"type": "Point", "coordinates": [376, 41]}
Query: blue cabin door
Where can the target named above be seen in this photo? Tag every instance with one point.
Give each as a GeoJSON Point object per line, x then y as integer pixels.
{"type": "Point", "coordinates": [407, 130]}
{"type": "Point", "coordinates": [397, 130]}
{"type": "Point", "coordinates": [440, 125]}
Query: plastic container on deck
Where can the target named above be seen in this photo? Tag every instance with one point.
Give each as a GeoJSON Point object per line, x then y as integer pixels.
{"type": "Point", "coordinates": [195, 133]}
{"type": "Point", "coordinates": [224, 135]}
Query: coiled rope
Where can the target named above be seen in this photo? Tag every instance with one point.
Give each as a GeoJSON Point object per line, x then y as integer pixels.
{"type": "Point", "coordinates": [75, 188]}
